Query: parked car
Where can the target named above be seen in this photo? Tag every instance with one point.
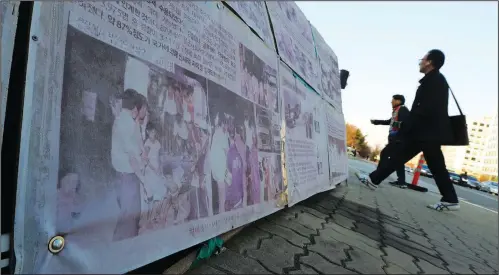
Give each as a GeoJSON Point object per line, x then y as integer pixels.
{"type": "Point", "coordinates": [425, 171]}
{"type": "Point", "coordinates": [485, 186]}
{"type": "Point", "coordinates": [454, 177]}
{"type": "Point", "coordinates": [493, 187]}
{"type": "Point", "coordinates": [473, 183]}
{"type": "Point", "coordinates": [408, 169]}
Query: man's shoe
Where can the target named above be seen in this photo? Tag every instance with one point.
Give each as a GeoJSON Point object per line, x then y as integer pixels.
{"type": "Point", "coordinates": [369, 183]}
{"type": "Point", "coordinates": [444, 206]}
{"type": "Point", "coordinates": [399, 185]}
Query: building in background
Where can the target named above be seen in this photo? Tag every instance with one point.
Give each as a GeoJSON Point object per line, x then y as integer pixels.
{"type": "Point", "coordinates": [480, 157]}
{"type": "Point", "coordinates": [454, 157]}
{"type": "Point", "coordinates": [490, 168]}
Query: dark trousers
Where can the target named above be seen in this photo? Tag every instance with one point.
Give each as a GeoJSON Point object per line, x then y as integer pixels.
{"type": "Point", "coordinates": [400, 153]}
{"type": "Point", "coordinates": [127, 187]}
{"type": "Point", "coordinates": [385, 157]}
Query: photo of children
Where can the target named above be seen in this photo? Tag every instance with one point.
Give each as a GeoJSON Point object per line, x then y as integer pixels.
{"type": "Point", "coordinates": [233, 151]}
{"type": "Point", "coordinates": [133, 143]}
{"type": "Point", "coordinates": [259, 80]}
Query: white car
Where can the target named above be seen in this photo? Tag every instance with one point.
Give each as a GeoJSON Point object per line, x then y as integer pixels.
{"type": "Point", "coordinates": [408, 169]}
{"type": "Point", "coordinates": [493, 187]}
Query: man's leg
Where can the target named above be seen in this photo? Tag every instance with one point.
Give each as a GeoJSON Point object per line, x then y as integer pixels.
{"type": "Point", "coordinates": [398, 154]}
{"type": "Point", "coordinates": [401, 174]}
{"type": "Point", "coordinates": [436, 163]}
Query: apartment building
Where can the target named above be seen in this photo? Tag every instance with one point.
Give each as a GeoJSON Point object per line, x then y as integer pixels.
{"type": "Point", "coordinates": [480, 157]}
{"type": "Point", "coordinates": [490, 161]}
{"type": "Point", "coordinates": [454, 157]}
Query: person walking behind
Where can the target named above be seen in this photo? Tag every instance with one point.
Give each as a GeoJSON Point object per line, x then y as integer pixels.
{"type": "Point", "coordinates": [399, 114]}
{"type": "Point", "coordinates": [426, 129]}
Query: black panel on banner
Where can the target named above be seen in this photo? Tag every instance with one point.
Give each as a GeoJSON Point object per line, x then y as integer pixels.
{"type": "Point", "coordinates": [12, 126]}
{"type": "Point", "coordinates": [227, 6]}
{"type": "Point", "coordinates": [272, 30]}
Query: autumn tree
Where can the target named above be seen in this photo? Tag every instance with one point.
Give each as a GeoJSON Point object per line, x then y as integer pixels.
{"type": "Point", "coordinates": [351, 131]}
{"type": "Point", "coordinates": [375, 153]}
{"type": "Point", "coordinates": [356, 139]}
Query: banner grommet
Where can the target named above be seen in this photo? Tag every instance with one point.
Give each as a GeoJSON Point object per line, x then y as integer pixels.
{"type": "Point", "coordinates": [56, 244]}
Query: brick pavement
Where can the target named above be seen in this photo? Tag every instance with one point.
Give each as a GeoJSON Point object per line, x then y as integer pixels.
{"type": "Point", "coordinates": [353, 230]}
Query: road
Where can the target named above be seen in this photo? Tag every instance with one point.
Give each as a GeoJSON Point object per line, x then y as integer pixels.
{"type": "Point", "coordinates": [466, 195]}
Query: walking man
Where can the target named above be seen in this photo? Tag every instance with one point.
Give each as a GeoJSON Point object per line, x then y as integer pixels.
{"type": "Point", "coordinates": [426, 129]}
{"type": "Point", "coordinates": [399, 114]}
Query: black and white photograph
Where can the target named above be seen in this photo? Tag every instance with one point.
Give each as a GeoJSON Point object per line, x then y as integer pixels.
{"type": "Point", "coordinates": [270, 175]}
{"type": "Point", "coordinates": [295, 16]}
{"type": "Point", "coordinates": [268, 131]}
{"type": "Point", "coordinates": [258, 80]}
{"type": "Point", "coordinates": [265, 129]}
{"type": "Point", "coordinates": [276, 133]}
{"type": "Point", "coordinates": [133, 142]}
{"type": "Point", "coordinates": [337, 156]}
{"type": "Point", "coordinates": [234, 150]}
{"type": "Point", "coordinates": [330, 78]}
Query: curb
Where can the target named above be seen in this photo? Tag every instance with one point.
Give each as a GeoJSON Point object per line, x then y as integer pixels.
{"type": "Point", "coordinates": [183, 265]}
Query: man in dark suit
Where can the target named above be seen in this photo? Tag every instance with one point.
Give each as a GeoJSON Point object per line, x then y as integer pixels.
{"type": "Point", "coordinates": [399, 115]}
{"type": "Point", "coordinates": [426, 129]}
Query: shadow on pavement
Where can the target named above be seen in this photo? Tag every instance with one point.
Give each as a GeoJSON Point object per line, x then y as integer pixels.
{"type": "Point", "coordinates": [330, 233]}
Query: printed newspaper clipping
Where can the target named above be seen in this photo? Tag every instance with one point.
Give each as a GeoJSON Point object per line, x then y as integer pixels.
{"type": "Point", "coordinates": [294, 40]}
{"type": "Point", "coordinates": [338, 160]}
{"type": "Point", "coordinates": [329, 74]}
{"type": "Point", "coordinates": [166, 129]}
{"type": "Point", "coordinates": [152, 126]}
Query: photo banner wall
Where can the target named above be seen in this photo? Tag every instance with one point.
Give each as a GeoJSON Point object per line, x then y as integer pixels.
{"type": "Point", "coordinates": [150, 127]}
{"type": "Point", "coordinates": [329, 73]}
{"type": "Point", "coordinates": [156, 121]}
{"type": "Point", "coordinates": [294, 40]}
{"type": "Point", "coordinates": [338, 159]}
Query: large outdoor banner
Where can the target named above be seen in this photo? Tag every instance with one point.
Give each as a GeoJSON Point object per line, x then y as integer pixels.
{"type": "Point", "coordinates": [254, 13]}
{"type": "Point", "coordinates": [294, 40]}
{"type": "Point", "coordinates": [338, 160]}
{"type": "Point", "coordinates": [8, 26]}
{"type": "Point", "coordinates": [299, 102]}
{"type": "Point", "coordinates": [149, 127]}
{"type": "Point", "coordinates": [329, 73]}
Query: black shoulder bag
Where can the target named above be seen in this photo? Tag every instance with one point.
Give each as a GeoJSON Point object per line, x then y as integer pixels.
{"type": "Point", "coordinates": [459, 127]}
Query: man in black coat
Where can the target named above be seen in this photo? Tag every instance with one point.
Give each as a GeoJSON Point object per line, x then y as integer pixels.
{"type": "Point", "coordinates": [400, 113]}
{"type": "Point", "coordinates": [426, 129]}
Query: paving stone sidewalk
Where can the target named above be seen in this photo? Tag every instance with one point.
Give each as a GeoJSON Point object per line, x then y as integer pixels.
{"type": "Point", "coordinates": [353, 230]}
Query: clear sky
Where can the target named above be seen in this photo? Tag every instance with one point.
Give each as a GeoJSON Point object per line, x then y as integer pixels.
{"type": "Point", "coordinates": [380, 43]}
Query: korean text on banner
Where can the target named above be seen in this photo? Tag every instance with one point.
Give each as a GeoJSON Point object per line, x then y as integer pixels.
{"type": "Point", "coordinates": [329, 73]}
{"type": "Point", "coordinates": [338, 160]}
{"type": "Point", "coordinates": [321, 142]}
{"type": "Point", "coordinates": [294, 40]}
{"type": "Point", "coordinates": [145, 120]}
{"type": "Point", "coordinates": [301, 150]}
